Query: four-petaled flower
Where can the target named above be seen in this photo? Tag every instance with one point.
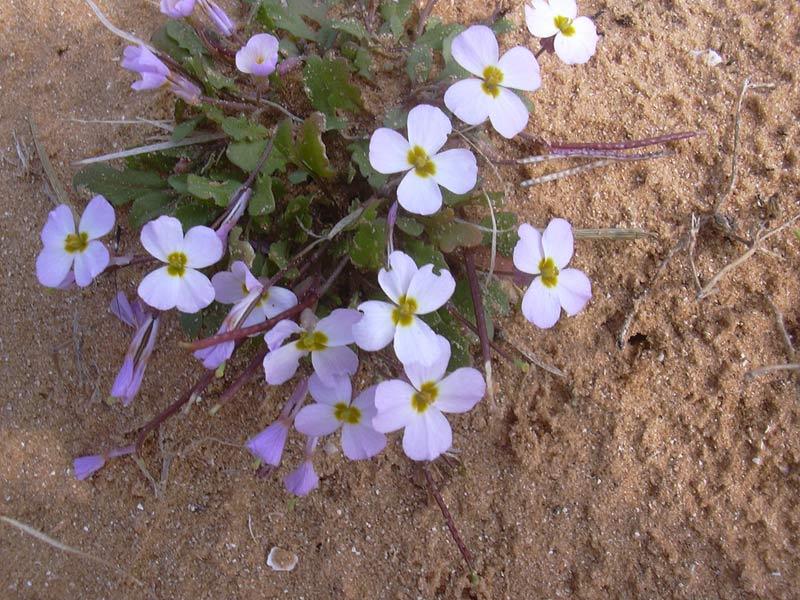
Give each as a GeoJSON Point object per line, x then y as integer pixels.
{"type": "Point", "coordinates": [418, 192]}
{"type": "Point", "coordinates": [334, 409]}
{"type": "Point", "coordinates": [413, 292]}
{"type": "Point", "coordinates": [179, 283]}
{"type": "Point", "coordinates": [232, 286]}
{"type": "Point", "coordinates": [65, 246]}
{"type": "Point", "coordinates": [546, 255]}
{"type": "Point", "coordinates": [575, 38]}
{"type": "Point", "coordinates": [259, 56]}
{"type": "Point", "coordinates": [326, 340]}
{"type": "Point", "coordinates": [418, 406]}
{"type": "Point", "coordinates": [155, 74]}
{"type": "Point", "coordinates": [475, 100]}
{"type": "Point", "coordinates": [129, 378]}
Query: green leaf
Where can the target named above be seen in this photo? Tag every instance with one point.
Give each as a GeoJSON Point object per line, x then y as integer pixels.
{"type": "Point", "coordinates": [359, 152]}
{"type": "Point", "coordinates": [410, 226]}
{"type": "Point", "coordinates": [207, 189]}
{"type": "Point", "coordinates": [327, 85]}
{"type": "Point", "coordinates": [149, 206]}
{"type": "Point", "coordinates": [242, 129]}
{"type": "Point", "coordinates": [506, 235]}
{"type": "Point", "coordinates": [443, 323]}
{"type": "Point", "coordinates": [311, 148]}
{"type": "Point", "coordinates": [396, 15]}
{"type": "Point", "coordinates": [118, 187]}
{"type": "Point", "coordinates": [239, 248]}
{"type": "Point", "coordinates": [297, 218]}
{"type": "Point", "coordinates": [503, 26]}
{"type": "Point", "coordinates": [191, 323]}
{"type": "Point", "coordinates": [217, 80]}
{"type": "Point", "coordinates": [395, 118]}
{"type": "Point", "coordinates": [279, 253]}
{"type": "Point", "coordinates": [351, 27]}
{"type": "Point", "coordinates": [178, 183]}
{"type": "Point", "coordinates": [419, 63]}
{"type": "Point", "coordinates": [183, 35]}
{"type": "Point", "coordinates": [185, 128]}
{"type": "Point", "coordinates": [450, 234]}
{"type": "Point", "coordinates": [367, 248]}
{"type": "Point", "coordinates": [424, 254]}
{"type": "Point", "coordinates": [275, 15]}
{"type": "Point", "coordinates": [191, 215]}
{"type": "Point", "coordinates": [263, 201]}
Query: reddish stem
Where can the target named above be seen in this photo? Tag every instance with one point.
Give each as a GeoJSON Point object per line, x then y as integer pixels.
{"type": "Point", "coordinates": [477, 303]}
{"type": "Point", "coordinates": [239, 382]}
{"type": "Point", "coordinates": [627, 145]}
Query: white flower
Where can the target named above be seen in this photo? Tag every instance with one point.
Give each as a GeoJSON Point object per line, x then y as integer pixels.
{"type": "Point", "coordinates": [475, 100]}
{"type": "Point", "coordinates": [179, 283]}
{"type": "Point", "coordinates": [575, 38]}
{"type": "Point", "coordinates": [546, 255]}
{"type": "Point", "coordinates": [418, 192]}
{"type": "Point", "coordinates": [413, 292]}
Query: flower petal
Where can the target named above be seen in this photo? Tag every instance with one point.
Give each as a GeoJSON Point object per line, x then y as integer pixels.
{"type": "Point", "coordinates": [541, 305]}
{"type": "Point", "coordinates": [395, 280]}
{"type": "Point", "coordinates": [520, 70]}
{"type": "Point", "coordinates": [227, 287]}
{"type": "Point", "coordinates": [388, 151]}
{"type": "Point", "coordinates": [159, 289]}
{"type": "Point", "coordinates": [122, 309]}
{"type": "Point", "coordinates": [419, 195]}
{"type": "Point", "coordinates": [316, 420]}
{"type": "Point", "coordinates": [84, 466]}
{"type": "Point", "coordinates": [282, 330]}
{"type": "Point", "coordinates": [333, 362]}
{"type": "Point", "coordinates": [281, 364]}
{"type": "Point", "coordinates": [376, 328]}
{"type": "Point", "coordinates": [566, 8]}
{"type": "Point", "coordinates": [427, 436]}
{"type": "Point", "coordinates": [456, 170]}
{"type": "Point", "coordinates": [428, 128]}
{"type": "Point", "coordinates": [475, 49]}
{"type": "Point", "coordinates": [121, 389]}
{"type": "Point", "coordinates": [579, 47]}
{"type": "Point", "coordinates": [365, 402]}
{"type": "Point", "coordinates": [202, 247]}
{"type": "Point", "coordinates": [278, 300]}
{"type": "Point", "coordinates": [195, 292]}
{"type": "Point", "coordinates": [540, 19]}
{"type": "Point", "coordinates": [52, 265]}
{"type": "Point", "coordinates": [416, 342]}
{"type": "Point", "coordinates": [528, 252]}
{"type": "Point", "coordinates": [460, 391]}
{"type": "Point", "coordinates": [331, 392]}
{"type": "Point", "coordinates": [360, 441]}
{"type": "Point", "coordinates": [98, 218]}
{"type": "Point", "coordinates": [558, 242]}
{"type": "Point", "coordinates": [90, 263]}
{"type": "Point", "coordinates": [393, 403]}
{"type": "Point", "coordinates": [430, 291]}
{"type": "Point", "coordinates": [60, 223]}
{"type": "Point", "coordinates": [574, 290]}
{"type": "Point", "coordinates": [467, 100]}
{"type": "Point", "coordinates": [162, 237]}
{"type": "Point", "coordinates": [508, 114]}
{"type": "Point", "coordinates": [338, 326]}
{"type": "Point", "coordinates": [268, 444]}
{"type": "Point", "coordinates": [420, 373]}
{"type": "Point", "coordinates": [303, 480]}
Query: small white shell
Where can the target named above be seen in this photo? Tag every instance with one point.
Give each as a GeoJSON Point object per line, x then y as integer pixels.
{"type": "Point", "coordinates": [281, 560]}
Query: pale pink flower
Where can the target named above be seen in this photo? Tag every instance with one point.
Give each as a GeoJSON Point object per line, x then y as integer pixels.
{"type": "Point", "coordinates": [259, 56]}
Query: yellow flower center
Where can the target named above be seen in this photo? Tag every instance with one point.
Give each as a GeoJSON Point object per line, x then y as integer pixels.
{"type": "Point", "coordinates": [264, 296]}
{"type": "Point", "coordinates": [347, 414]}
{"type": "Point", "coordinates": [177, 264]}
{"type": "Point", "coordinates": [313, 341]}
{"type": "Point", "coordinates": [492, 77]}
{"type": "Point", "coordinates": [260, 60]}
{"type": "Point", "coordinates": [564, 25]}
{"type": "Point", "coordinates": [549, 272]}
{"type": "Point", "coordinates": [418, 158]}
{"type": "Point", "coordinates": [403, 315]}
{"type": "Point", "coordinates": [76, 243]}
{"type": "Point", "coordinates": [425, 397]}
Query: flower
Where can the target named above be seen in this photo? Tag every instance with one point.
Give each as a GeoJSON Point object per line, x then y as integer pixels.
{"type": "Point", "coordinates": [413, 292]}
{"type": "Point", "coordinates": [84, 466]}
{"type": "Point", "coordinates": [218, 17]}
{"type": "Point", "coordinates": [129, 378]}
{"type": "Point", "coordinates": [428, 128]}
{"type": "Point", "coordinates": [334, 409]}
{"type": "Point", "coordinates": [326, 340]}
{"type": "Point", "coordinates": [418, 407]}
{"type": "Point", "coordinates": [575, 38]}
{"type": "Point", "coordinates": [179, 283]}
{"type": "Point", "coordinates": [546, 255]}
{"type": "Point", "coordinates": [155, 74]}
{"type": "Point", "coordinates": [268, 445]}
{"type": "Point", "coordinates": [177, 9]}
{"type": "Point", "coordinates": [475, 100]}
{"type": "Point", "coordinates": [259, 56]}
{"type": "Point", "coordinates": [303, 479]}
{"type": "Point", "coordinates": [65, 246]}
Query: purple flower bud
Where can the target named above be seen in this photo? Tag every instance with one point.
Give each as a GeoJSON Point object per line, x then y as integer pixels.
{"type": "Point", "coordinates": [221, 20]}
{"type": "Point", "coordinates": [302, 480]}
{"type": "Point", "coordinates": [140, 60]}
{"type": "Point", "coordinates": [268, 445]}
{"type": "Point", "coordinates": [177, 9]}
{"type": "Point", "coordinates": [129, 378]}
{"type": "Point", "coordinates": [288, 65]}
{"type": "Point", "coordinates": [183, 88]}
{"type": "Point", "coordinates": [236, 207]}
{"type": "Point", "coordinates": [84, 466]}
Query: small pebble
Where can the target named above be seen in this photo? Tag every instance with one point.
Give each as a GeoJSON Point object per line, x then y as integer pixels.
{"type": "Point", "coordinates": [281, 560]}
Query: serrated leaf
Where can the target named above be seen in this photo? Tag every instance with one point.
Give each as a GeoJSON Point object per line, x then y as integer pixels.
{"type": "Point", "coordinates": [263, 201]}
{"type": "Point", "coordinates": [311, 148]}
{"type": "Point", "coordinates": [327, 85]}
{"type": "Point", "coordinates": [149, 206]}
{"type": "Point", "coordinates": [359, 152]}
{"type": "Point", "coordinates": [118, 187]}
{"type": "Point", "coordinates": [506, 235]}
{"type": "Point", "coordinates": [367, 248]}
{"type": "Point", "coordinates": [207, 189]}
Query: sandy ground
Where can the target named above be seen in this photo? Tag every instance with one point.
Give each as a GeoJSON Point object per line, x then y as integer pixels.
{"type": "Point", "coordinates": [651, 472]}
